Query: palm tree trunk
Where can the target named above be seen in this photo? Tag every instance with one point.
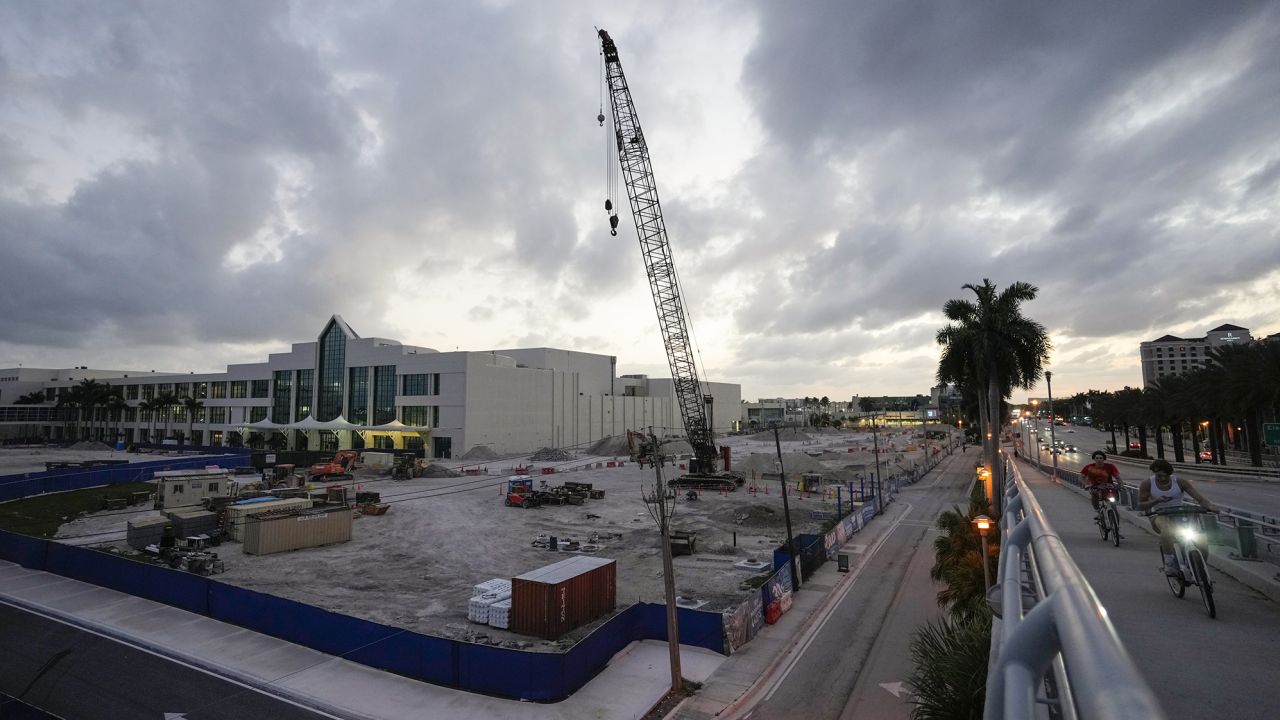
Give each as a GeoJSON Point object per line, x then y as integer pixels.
{"type": "Point", "coordinates": [1176, 429]}
{"type": "Point", "coordinates": [1112, 426]}
{"type": "Point", "coordinates": [1253, 432]}
{"type": "Point", "coordinates": [1160, 441]}
{"type": "Point", "coordinates": [993, 428]}
{"type": "Point", "coordinates": [1195, 441]}
{"type": "Point", "coordinates": [1126, 438]}
{"type": "Point", "coordinates": [1142, 439]}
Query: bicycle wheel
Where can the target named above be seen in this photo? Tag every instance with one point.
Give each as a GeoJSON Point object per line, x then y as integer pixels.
{"type": "Point", "coordinates": [1176, 585]}
{"type": "Point", "coordinates": [1201, 575]}
{"type": "Point", "coordinates": [1113, 519]}
{"type": "Point", "coordinates": [1101, 520]}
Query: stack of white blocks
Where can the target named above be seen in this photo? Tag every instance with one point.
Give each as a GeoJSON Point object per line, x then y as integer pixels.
{"type": "Point", "coordinates": [485, 595]}
{"type": "Point", "coordinates": [500, 614]}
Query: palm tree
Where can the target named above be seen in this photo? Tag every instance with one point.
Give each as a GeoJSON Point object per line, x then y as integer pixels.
{"type": "Point", "coordinates": [116, 407]}
{"type": "Point", "coordinates": [958, 557]}
{"type": "Point", "coordinates": [949, 668]}
{"type": "Point", "coordinates": [192, 405]}
{"type": "Point", "coordinates": [166, 401]}
{"type": "Point", "coordinates": [992, 345]}
{"type": "Point", "coordinates": [33, 398]}
{"type": "Point", "coordinates": [152, 409]}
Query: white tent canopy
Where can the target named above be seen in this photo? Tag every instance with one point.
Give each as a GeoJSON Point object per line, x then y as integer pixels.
{"type": "Point", "coordinates": [397, 426]}
{"type": "Point", "coordinates": [338, 423]}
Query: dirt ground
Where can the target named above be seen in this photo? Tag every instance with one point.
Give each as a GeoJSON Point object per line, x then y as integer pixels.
{"type": "Point", "coordinates": [415, 566]}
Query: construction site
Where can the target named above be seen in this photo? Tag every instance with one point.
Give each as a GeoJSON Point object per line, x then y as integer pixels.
{"type": "Point", "coordinates": [415, 548]}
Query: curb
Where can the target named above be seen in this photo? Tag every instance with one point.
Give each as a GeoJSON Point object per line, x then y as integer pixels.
{"type": "Point", "coordinates": [250, 681]}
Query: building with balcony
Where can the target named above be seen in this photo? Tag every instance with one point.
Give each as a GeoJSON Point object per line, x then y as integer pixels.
{"type": "Point", "coordinates": [1171, 355]}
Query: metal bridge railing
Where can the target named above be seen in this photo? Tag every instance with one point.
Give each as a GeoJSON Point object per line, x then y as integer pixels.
{"type": "Point", "coordinates": [1055, 652]}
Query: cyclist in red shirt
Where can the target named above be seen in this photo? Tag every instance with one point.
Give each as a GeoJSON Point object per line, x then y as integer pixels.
{"type": "Point", "coordinates": [1099, 472]}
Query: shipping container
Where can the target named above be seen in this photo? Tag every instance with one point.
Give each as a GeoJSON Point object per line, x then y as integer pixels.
{"type": "Point", "coordinates": [553, 600]}
{"type": "Point", "coordinates": [193, 522]}
{"type": "Point", "coordinates": [237, 513]}
{"type": "Point", "coordinates": [267, 534]}
{"type": "Point", "coordinates": [142, 532]}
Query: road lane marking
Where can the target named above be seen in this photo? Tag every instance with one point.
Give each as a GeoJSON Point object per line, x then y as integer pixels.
{"type": "Point", "coordinates": [833, 602]}
{"type": "Point", "coordinates": [896, 689]}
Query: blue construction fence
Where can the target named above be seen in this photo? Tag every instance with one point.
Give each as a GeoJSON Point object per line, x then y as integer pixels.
{"type": "Point", "coordinates": [517, 674]}
{"type": "Point", "coordinates": [21, 485]}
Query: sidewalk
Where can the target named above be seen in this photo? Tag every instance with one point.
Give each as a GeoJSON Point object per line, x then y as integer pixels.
{"type": "Point", "coordinates": [741, 679]}
{"type": "Point", "coordinates": [635, 679]}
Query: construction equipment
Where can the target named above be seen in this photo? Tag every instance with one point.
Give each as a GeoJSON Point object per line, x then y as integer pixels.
{"type": "Point", "coordinates": [520, 493]}
{"type": "Point", "coordinates": [639, 446]}
{"type": "Point", "coordinates": [642, 190]}
{"type": "Point", "coordinates": [404, 467]}
{"type": "Point", "coordinates": [283, 476]}
{"type": "Point", "coordinates": [339, 468]}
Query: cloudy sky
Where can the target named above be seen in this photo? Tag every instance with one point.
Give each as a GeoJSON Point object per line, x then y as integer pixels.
{"type": "Point", "coordinates": [184, 185]}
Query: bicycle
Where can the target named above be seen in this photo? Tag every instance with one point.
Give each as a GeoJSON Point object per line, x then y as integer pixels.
{"type": "Point", "coordinates": [1186, 536]}
{"type": "Point", "coordinates": [1108, 518]}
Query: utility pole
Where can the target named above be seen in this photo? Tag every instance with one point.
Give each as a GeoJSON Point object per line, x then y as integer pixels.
{"type": "Point", "coordinates": [661, 504]}
{"type": "Point", "coordinates": [875, 439]}
{"type": "Point", "coordinates": [924, 424]}
{"type": "Point", "coordinates": [1053, 438]}
{"type": "Point", "coordinates": [786, 512]}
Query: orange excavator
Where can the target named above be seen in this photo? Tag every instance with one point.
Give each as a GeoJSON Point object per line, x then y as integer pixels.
{"type": "Point", "coordinates": [339, 468]}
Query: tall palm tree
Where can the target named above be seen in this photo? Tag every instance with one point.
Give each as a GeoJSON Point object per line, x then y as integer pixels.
{"type": "Point", "coordinates": [166, 402]}
{"type": "Point", "coordinates": [192, 405]}
{"type": "Point", "coordinates": [116, 407]}
{"type": "Point", "coordinates": [152, 409]}
{"type": "Point", "coordinates": [1004, 349]}
{"type": "Point", "coordinates": [958, 557]}
{"type": "Point", "coordinates": [33, 398]}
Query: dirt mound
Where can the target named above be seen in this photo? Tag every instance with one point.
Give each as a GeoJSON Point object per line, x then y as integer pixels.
{"type": "Point", "coordinates": [547, 454]}
{"type": "Point", "coordinates": [480, 452]}
{"type": "Point", "coordinates": [90, 445]}
{"type": "Point", "coordinates": [792, 463]}
{"type": "Point", "coordinates": [787, 434]}
{"type": "Point", "coordinates": [439, 471]}
{"type": "Point", "coordinates": [612, 445]}
{"type": "Point", "coordinates": [752, 516]}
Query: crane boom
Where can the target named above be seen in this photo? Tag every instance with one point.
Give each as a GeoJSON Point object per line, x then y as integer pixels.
{"type": "Point", "coordinates": [642, 189]}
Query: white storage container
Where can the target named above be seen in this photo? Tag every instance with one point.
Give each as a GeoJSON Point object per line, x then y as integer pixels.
{"type": "Point", "coordinates": [500, 614]}
{"type": "Point", "coordinates": [478, 606]}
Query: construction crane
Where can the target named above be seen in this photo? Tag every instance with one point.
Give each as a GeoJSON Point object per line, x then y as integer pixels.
{"type": "Point", "coordinates": [637, 173]}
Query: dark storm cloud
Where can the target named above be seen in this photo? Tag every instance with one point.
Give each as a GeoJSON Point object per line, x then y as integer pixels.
{"type": "Point", "coordinates": [1110, 134]}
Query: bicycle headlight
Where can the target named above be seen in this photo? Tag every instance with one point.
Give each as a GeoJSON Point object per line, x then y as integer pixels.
{"type": "Point", "coordinates": [1188, 534]}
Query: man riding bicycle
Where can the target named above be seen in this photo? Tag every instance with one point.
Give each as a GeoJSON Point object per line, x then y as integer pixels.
{"type": "Point", "coordinates": [1099, 473]}
{"type": "Point", "coordinates": [1165, 490]}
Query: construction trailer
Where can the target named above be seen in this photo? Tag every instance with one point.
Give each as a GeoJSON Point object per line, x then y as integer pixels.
{"type": "Point", "coordinates": [238, 513]}
{"type": "Point", "coordinates": [189, 488]}
{"type": "Point", "coordinates": [282, 531]}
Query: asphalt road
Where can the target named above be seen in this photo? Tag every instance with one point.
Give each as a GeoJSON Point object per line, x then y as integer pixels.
{"type": "Point", "coordinates": [75, 674]}
{"type": "Point", "coordinates": [856, 662]}
{"type": "Point", "coordinates": [1247, 494]}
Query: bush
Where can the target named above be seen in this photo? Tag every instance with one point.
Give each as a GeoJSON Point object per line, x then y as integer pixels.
{"type": "Point", "coordinates": [949, 661]}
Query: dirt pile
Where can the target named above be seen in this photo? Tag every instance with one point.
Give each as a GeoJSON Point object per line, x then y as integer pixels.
{"type": "Point", "coordinates": [547, 454]}
{"type": "Point", "coordinates": [481, 452]}
{"type": "Point", "coordinates": [90, 445]}
{"type": "Point", "coordinates": [792, 463]}
{"type": "Point", "coordinates": [439, 471]}
{"type": "Point", "coordinates": [612, 445]}
{"type": "Point", "coordinates": [785, 434]}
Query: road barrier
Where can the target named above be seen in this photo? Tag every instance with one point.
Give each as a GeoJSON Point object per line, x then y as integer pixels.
{"type": "Point", "coordinates": [1051, 630]}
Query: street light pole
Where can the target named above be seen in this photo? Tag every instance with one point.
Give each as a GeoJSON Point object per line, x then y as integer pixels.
{"type": "Point", "coordinates": [875, 439]}
{"type": "Point", "coordinates": [1053, 438]}
{"type": "Point", "coordinates": [984, 524]}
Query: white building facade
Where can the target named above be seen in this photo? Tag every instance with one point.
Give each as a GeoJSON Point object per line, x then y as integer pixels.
{"type": "Point", "coordinates": [512, 401]}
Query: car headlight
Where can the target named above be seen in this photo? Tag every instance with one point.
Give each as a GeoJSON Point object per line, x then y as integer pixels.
{"type": "Point", "coordinates": [1188, 534]}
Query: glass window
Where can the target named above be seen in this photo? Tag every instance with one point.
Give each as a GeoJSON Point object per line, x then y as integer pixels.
{"type": "Point", "coordinates": [257, 414]}
{"type": "Point", "coordinates": [182, 389]}
{"type": "Point", "coordinates": [420, 415]}
{"type": "Point", "coordinates": [302, 398]}
{"type": "Point", "coordinates": [384, 394]}
{"type": "Point", "coordinates": [332, 367]}
{"type": "Point", "coordinates": [218, 390]}
{"type": "Point", "coordinates": [218, 415]}
{"type": "Point", "coordinates": [148, 392]}
{"type": "Point", "coordinates": [166, 388]}
{"type": "Point", "coordinates": [261, 389]}
{"type": "Point", "coordinates": [283, 380]}
{"type": "Point", "coordinates": [201, 389]}
{"type": "Point", "coordinates": [130, 392]}
{"type": "Point", "coordinates": [358, 396]}
{"type": "Point", "coordinates": [239, 388]}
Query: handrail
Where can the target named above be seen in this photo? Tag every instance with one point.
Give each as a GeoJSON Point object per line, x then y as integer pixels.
{"type": "Point", "coordinates": [1065, 621]}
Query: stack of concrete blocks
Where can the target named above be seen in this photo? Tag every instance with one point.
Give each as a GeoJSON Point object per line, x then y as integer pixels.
{"type": "Point", "coordinates": [484, 595]}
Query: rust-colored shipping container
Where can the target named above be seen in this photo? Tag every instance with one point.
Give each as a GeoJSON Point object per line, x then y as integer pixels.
{"type": "Point", "coordinates": [553, 600]}
{"type": "Point", "coordinates": [267, 534]}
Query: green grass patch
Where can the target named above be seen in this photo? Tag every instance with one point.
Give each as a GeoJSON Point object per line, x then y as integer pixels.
{"type": "Point", "coordinates": [41, 515]}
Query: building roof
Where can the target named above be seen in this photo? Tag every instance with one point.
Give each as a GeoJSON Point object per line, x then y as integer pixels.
{"type": "Point", "coordinates": [1225, 328]}
{"type": "Point", "coordinates": [1168, 338]}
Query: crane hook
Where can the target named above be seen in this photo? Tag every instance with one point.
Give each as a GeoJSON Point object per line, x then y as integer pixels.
{"type": "Point", "coordinates": [600, 119]}
{"type": "Point", "coordinates": [613, 225]}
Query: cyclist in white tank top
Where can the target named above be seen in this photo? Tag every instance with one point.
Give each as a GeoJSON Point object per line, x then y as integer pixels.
{"type": "Point", "coordinates": [1164, 490]}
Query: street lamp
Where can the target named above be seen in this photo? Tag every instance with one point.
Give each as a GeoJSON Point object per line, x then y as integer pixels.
{"type": "Point", "coordinates": [1035, 419]}
{"type": "Point", "coordinates": [983, 524]}
{"type": "Point", "coordinates": [1053, 438]}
